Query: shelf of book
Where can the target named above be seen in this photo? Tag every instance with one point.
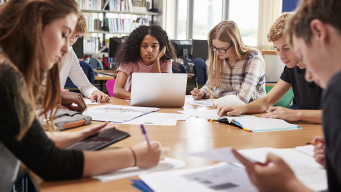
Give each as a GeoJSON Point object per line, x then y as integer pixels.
{"type": "Point", "coordinates": [118, 12]}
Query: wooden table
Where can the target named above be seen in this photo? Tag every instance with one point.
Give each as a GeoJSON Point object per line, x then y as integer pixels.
{"type": "Point", "coordinates": [191, 135]}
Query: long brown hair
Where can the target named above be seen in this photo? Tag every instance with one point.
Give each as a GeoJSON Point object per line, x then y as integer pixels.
{"type": "Point", "coordinates": [21, 38]}
{"type": "Point", "coordinates": [226, 31]}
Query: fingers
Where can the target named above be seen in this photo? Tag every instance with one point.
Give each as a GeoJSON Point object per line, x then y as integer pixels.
{"type": "Point", "coordinates": [92, 99]}
{"type": "Point", "coordinates": [318, 139]}
{"type": "Point", "coordinates": [81, 106]}
{"type": "Point", "coordinates": [270, 157]}
{"type": "Point", "coordinates": [247, 163]}
{"type": "Point", "coordinates": [272, 109]}
{"type": "Point", "coordinates": [164, 151]}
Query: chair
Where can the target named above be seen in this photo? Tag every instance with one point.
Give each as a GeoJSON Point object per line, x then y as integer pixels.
{"type": "Point", "coordinates": [286, 100]}
{"type": "Point", "coordinates": [110, 87]}
{"type": "Point", "coordinates": [200, 70]}
{"type": "Point", "coordinates": [180, 69]}
{"type": "Point", "coordinates": [96, 63]}
{"type": "Point", "coordinates": [89, 72]}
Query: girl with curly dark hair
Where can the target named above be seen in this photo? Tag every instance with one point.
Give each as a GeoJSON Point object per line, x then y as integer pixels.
{"type": "Point", "coordinates": [147, 49]}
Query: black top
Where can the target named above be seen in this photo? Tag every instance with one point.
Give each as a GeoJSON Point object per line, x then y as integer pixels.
{"type": "Point", "coordinates": [332, 132]}
{"type": "Point", "coordinates": [35, 150]}
{"type": "Point", "coordinates": [307, 94]}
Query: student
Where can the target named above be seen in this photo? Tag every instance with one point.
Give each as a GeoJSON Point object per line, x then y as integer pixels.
{"type": "Point", "coordinates": [307, 94]}
{"type": "Point", "coordinates": [234, 69]}
{"type": "Point", "coordinates": [147, 50]}
{"type": "Point", "coordinates": [70, 67]}
{"type": "Point", "coordinates": [314, 31]}
{"type": "Point", "coordinates": [42, 28]}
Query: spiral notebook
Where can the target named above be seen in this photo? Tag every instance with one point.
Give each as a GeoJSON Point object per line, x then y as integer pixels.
{"type": "Point", "coordinates": [256, 124]}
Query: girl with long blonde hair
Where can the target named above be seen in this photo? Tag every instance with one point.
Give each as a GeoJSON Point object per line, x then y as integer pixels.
{"type": "Point", "coordinates": [234, 69]}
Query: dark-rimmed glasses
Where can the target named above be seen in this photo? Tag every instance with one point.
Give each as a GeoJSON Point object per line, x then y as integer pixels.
{"type": "Point", "coordinates": [220, 50]}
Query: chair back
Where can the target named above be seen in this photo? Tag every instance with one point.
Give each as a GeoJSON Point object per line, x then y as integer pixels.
{"type": "Point", "coordinates": [286, 100]}
{"type": "Point", "coordinates": [110, 87]}
{"type": "Point", "coordinates": [96, 63]}
{"type": "Point", "coordinates": [180, 69]}
{"type": "Point", "coordinates": [200, 70]}
{"type": "Point", "coordinates": [88, 71]}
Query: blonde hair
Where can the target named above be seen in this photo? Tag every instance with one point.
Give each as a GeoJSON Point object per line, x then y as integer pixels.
{"type": "Point", "coordinates": [81, 26]}
{"type": "Point", "coordinates": [226, 31]}
{"type": "Point", "coordinates": [277, 28]}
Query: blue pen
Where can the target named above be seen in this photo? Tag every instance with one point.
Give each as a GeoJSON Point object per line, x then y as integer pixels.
{"type": "Point", "coordinates": [144, 132]}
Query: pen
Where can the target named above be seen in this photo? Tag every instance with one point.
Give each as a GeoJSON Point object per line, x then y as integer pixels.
{"type": "Point", "coordinates": [196, 83]}
{"type": "Point", "coordinates": [312, 143]}
{"type": "Point", "coordinates": [144, 132]}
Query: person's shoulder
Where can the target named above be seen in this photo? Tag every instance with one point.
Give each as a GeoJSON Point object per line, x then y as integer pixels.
{"type": "Point", "coordinates": [8, 71]}
{"type": "Point", "coordinates": [335, 82]}
{"type": "Point", "coordinates": [254, 54]}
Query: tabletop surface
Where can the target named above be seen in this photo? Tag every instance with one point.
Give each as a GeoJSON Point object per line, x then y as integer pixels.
{"type": "Point", "coordinates": [194, 134]}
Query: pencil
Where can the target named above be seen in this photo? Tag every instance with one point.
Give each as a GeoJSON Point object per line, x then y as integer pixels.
{"type": "Point", "coordinates": [312, 143]}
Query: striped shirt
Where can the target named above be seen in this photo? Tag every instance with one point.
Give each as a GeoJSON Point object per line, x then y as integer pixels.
{"type": "Point", "coordinates": [246, 79]}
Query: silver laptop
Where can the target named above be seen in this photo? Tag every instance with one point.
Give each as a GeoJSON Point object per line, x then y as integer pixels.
{"type": "Point", "coordinates": [158, 89]}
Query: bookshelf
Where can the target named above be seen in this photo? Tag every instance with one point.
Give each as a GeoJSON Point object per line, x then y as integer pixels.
{"type": "Point", "coordinates": [111, 18]}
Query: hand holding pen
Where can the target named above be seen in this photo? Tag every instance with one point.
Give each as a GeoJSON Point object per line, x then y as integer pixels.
{"type": "Point", "coordinates": [197, 93]}
{"type": "Point", "coordinates": [319, 147]}
{"type": "Point", "coordinates": [149, 153]}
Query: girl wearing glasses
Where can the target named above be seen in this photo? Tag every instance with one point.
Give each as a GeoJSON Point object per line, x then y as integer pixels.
{"type": "Point", "coordinates": [145, 50]}
{"type": "Point", "coordinates": [234, 68]}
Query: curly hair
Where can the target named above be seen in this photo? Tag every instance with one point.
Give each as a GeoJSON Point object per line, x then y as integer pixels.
{"type": "Point", "coordinates": [277, 28]}
{"type": "Point", "coordinates": [81, 26]}
{"type": "Point", "coordinates": [129, 51]}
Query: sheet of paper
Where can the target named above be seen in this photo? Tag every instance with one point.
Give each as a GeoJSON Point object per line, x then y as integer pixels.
{"type": "Point", "coordinates": [307, 149]}
{"type": "Point", "coordinates": [166, 164]}
{"type": "Point", "coordinates": [163, 119]}
{"type": "Point", "coordinates": [202, 113]}
{"type": "Point", "coordinates": [117, 113]}
{"type": "Point", "coordinates": [221, 154]}
{"type": "Point", "coordinates": [88, 102]}
{"type": "Point", "coordinates": [219, 177]}
{"type": "Point", "coordinates": [202, 102]}
{"type": "Point", "coordinates": [306, 169]}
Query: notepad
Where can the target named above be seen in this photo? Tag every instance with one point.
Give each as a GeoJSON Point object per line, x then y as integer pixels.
{"type": "Point", "coordinates": [257, 124]}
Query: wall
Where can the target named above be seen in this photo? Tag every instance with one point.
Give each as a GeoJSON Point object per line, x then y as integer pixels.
{"type": "Point", "coordinates": [289, 5]}
{"type": "Point", "coordinates": [274, 68]}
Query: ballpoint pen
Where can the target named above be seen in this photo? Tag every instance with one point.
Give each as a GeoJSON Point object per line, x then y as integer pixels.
{"type": "Point", "coordinates": [144, 132]}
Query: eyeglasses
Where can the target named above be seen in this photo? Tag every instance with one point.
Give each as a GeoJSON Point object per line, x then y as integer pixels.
{"type": "Point", "coordinates": [220, 50]}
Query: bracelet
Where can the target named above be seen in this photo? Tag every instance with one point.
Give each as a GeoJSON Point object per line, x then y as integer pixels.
{"type": "Point", "coordinates": [135, 160]}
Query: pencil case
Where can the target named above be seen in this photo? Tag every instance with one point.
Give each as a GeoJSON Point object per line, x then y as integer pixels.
{"type": "Point", "coordinates": [66, 119]}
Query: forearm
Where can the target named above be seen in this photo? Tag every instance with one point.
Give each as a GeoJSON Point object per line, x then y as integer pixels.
{"type": "Point", "coordinates": [121, 93]}
{"type": "Point", "coordinates": [99, 162]}
{"type": "Point", "coordinates": [62, 139]}
{"type": "Point", "coordinates": [314, 116]}
{"type": "Point", "coordinates": [257, 106]}
{"type": "Point", "coordinates": [157, 68]}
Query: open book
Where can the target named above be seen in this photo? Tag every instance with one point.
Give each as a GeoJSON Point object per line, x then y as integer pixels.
{"type": "Point", "coordinates": [256, 124]}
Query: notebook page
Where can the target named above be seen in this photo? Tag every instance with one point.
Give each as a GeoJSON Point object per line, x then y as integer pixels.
{"type": "Point", "coordinates": [257, 124]}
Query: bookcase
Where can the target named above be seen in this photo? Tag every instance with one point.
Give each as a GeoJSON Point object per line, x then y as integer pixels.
{"type": "Point", "coordinates": [111, 18]}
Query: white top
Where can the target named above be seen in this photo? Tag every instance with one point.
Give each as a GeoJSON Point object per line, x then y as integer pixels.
{"type": "Point", "coordinates": [71, 68]}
